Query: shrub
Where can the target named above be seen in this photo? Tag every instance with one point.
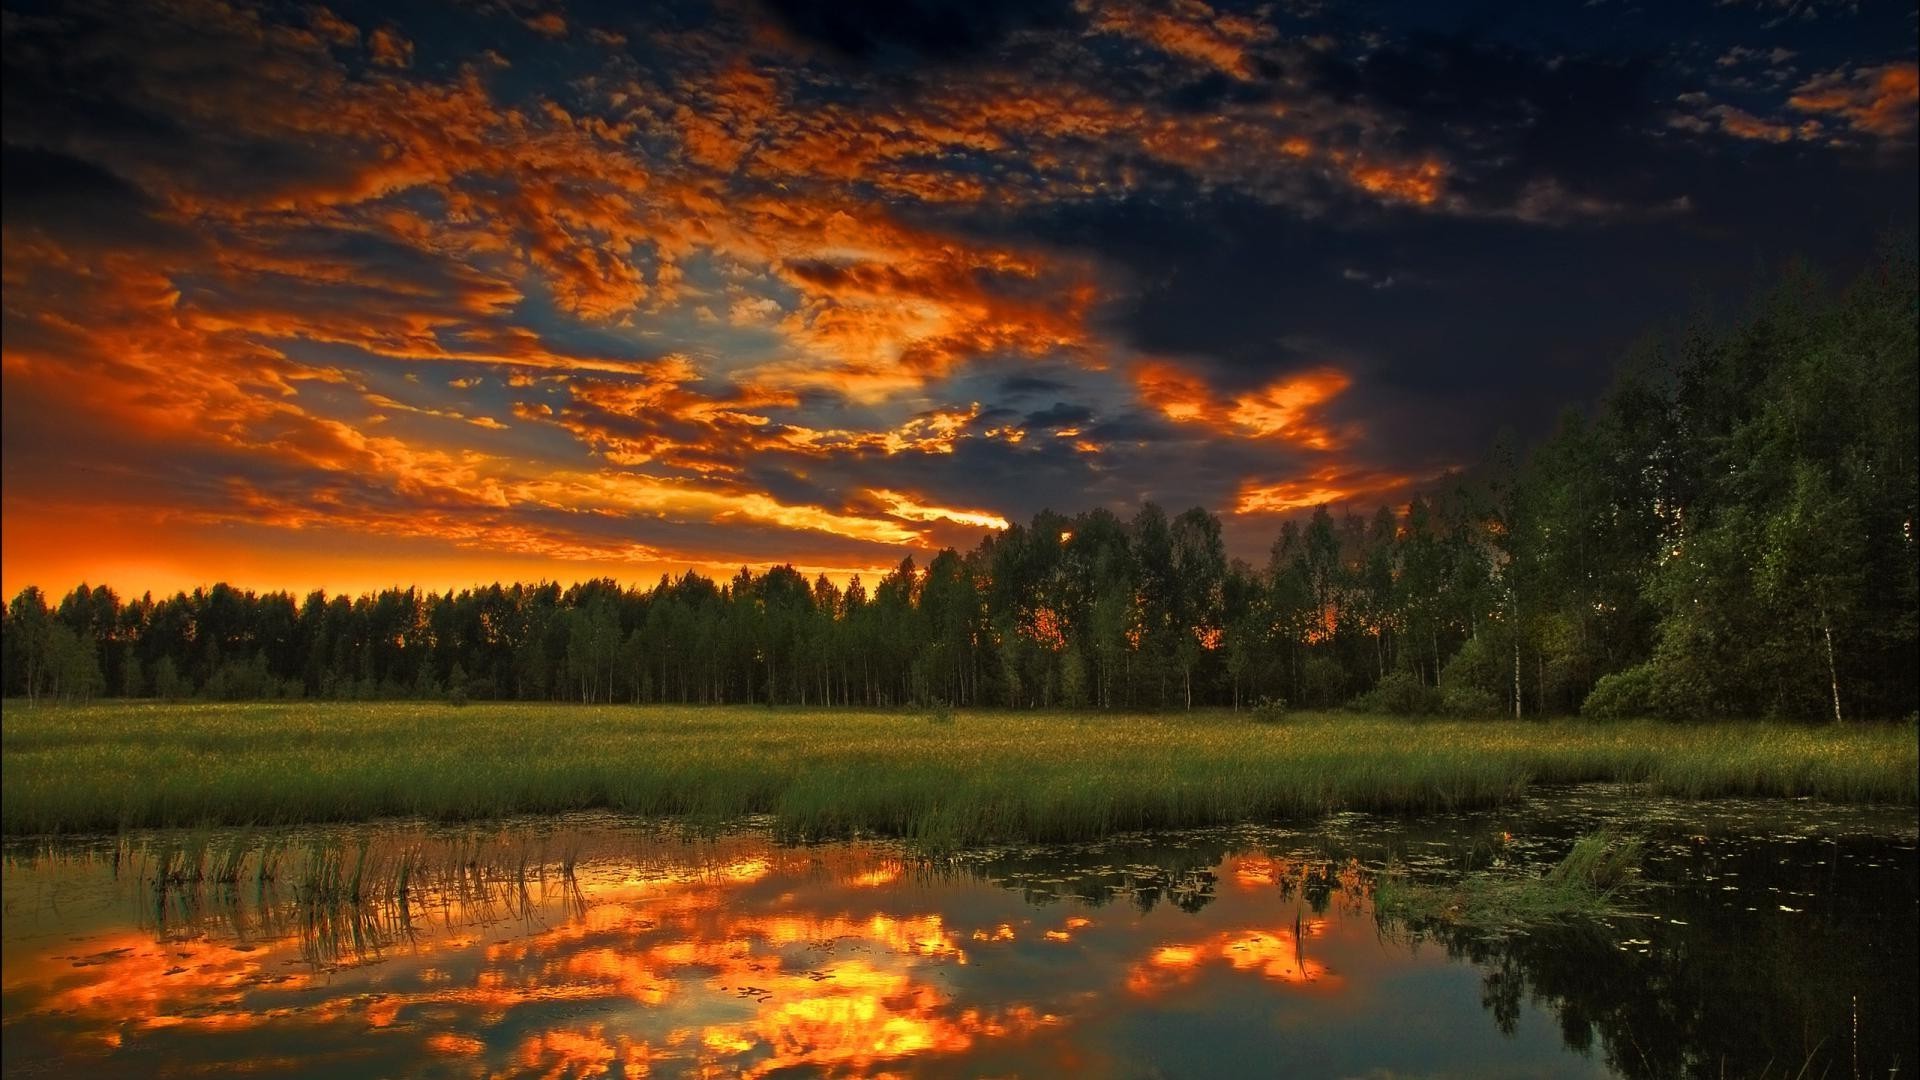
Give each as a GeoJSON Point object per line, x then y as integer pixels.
{"type": "Point", "coordinates": [1623, 694]}
{"type": "Point", "coordinates": [1269, 710]}
{"type": "Point", "coordinates": [1398, 693]}
{"type": "Point", "coordinates": [1470, 701]}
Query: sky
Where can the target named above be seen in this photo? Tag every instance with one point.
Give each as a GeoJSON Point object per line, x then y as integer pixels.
{"type": "Point", "coordinates": [335, 296]}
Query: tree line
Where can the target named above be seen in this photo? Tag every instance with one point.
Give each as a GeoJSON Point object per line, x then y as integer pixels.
{"type": "Point", "coordinates": [1728, 531]}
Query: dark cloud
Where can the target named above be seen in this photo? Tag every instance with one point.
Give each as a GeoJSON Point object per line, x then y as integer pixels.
{"type": "Point", "coordinates": [1507, 116]}
{"type": "Point", "coordinates": [1022, 385]}
{"type": "Point", "coordinates": [82, 203]}
{"type": "Point", "coordinates": [891, 33]}
{"type": "Point", "coordinates": [1059, 415]}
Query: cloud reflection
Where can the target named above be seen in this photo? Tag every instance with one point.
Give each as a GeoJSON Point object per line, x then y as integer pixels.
{"type": "Point", "coordinates": [725, 956]}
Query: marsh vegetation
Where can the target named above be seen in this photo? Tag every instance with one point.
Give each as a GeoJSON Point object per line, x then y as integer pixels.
{"type": "Point", "coordinates": [983, 776]}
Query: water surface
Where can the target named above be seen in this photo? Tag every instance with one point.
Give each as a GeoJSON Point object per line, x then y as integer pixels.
{"type": "Point", "coordinates": [1773, 939]}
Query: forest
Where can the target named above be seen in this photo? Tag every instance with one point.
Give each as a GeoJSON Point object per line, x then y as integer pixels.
{"type": "Point", "coordinates": [1726, 532]}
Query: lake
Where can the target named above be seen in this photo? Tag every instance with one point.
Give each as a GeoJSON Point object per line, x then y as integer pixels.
{"type": "Point", "coordinates": [1771, 938]}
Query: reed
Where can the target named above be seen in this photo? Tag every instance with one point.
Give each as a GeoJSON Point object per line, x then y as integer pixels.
{"type": "Point", "coordinates": [984, 776]}
{"type": "Point", "coordinates": [1587, 883]}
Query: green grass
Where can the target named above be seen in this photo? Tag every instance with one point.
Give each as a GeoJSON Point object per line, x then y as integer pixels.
{"type": "Point", "coordinates": [984, 776]}
{"type": "Point", "coordinates": [1585, 884]}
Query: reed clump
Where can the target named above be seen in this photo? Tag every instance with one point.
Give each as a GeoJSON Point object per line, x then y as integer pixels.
{"type": "Point", "coordinates": [1588, 883]}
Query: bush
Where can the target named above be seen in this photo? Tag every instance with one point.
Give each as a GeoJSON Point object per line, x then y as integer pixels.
{"type": "Point", "coordinates": [1269, 710]}
{"type": "Point", "coordinates": [1398, 693]}
{"type": "Point", "coordinates": [1634, 692]}
{"type": "Point", "coordinates": [1470, 701]}
{"type": "Point", "coordinates": [457, 695]}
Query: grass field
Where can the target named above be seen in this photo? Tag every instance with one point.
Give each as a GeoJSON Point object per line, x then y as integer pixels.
{"type": "Point", "coordinates": [979, 776]}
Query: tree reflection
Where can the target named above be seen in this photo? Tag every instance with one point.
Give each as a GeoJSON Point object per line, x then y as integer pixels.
{"type": "Point", "coordinates": [1709, 984]}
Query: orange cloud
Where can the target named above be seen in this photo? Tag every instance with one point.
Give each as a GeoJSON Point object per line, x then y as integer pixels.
{"type": "Point", "coordinates": [1745, 125]}
{"type": "Point", "coordinates": [1190, 30]}
{"type": "Point", "coordinates": [550, 24]}
{"type": "Point", "coordinates": [1329, 484]}
{"type": "Point", "coordinates": [1419, 183]}
{"type": "Point", "coordinates": [332, 28]}
{"type": "Point", "coordinates": [1287, 409]}
{"type": "Point", "coordinates": [1879, 100]}
{"type": "Point", "coordinates": [387, 47]}
{"type": "Point", "coordinates": [907, 509]}
{"type": "Point", "coordinates": [630, 493]}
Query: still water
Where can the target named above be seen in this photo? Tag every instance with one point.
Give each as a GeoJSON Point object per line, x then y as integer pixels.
{"type": "Point", "coordinates": [1773, 939]}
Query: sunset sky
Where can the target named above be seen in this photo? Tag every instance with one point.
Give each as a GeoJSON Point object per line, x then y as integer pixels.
{"type": "Point", "coordinates": [340, 296]}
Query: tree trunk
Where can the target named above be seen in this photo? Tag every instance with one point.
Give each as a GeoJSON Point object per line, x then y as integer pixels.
{"type": "Point", "coordinates": [1833, 673]}
{"type": "Point", "coordinates": [1540, 665]}
{"type": "Point", "coordinates": [1515, 597]}
{"type": "Point", "coordinates": [1516, 675]}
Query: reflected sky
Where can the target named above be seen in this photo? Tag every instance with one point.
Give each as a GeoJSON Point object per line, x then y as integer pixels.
{"type": "Point", "coordinates": [665, 955]}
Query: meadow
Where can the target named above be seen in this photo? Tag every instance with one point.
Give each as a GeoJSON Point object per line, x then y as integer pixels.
{"type": "Point", "coordinates": [937, 778]}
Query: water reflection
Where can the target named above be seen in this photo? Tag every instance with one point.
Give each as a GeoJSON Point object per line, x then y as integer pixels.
{"type": "Point", "coordinates": [606, 948]}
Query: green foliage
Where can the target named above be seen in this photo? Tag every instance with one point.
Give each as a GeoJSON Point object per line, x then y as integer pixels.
{"type": "Point", "coordinates": [1474, 683]}
{"type": "Point", "coordinates": [1469, 702]}
{"type": "Point", "coordinates": [166, 681]}
{"type": "Point", "coordinates": [1399, 693]}
{"type": "Point", "coordinates": [1625, 694]}
{"type": "Point", "coordinates": [1073, 679]}
{"type": "Point", "coordinates": [72, 667]}
{"type": "Point", "coordinates": [458, 692]}
{"type": "Point", "coordinates": [1323, 684]}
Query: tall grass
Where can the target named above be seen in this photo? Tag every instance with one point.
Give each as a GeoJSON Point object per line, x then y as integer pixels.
{"type": "Point", "coordinates": [985, 776]}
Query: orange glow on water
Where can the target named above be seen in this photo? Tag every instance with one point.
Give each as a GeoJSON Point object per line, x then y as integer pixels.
{"type": "Point", "coordinates": [748, 960]}
{"type": "Point", "coordinates": [1276, 955]}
